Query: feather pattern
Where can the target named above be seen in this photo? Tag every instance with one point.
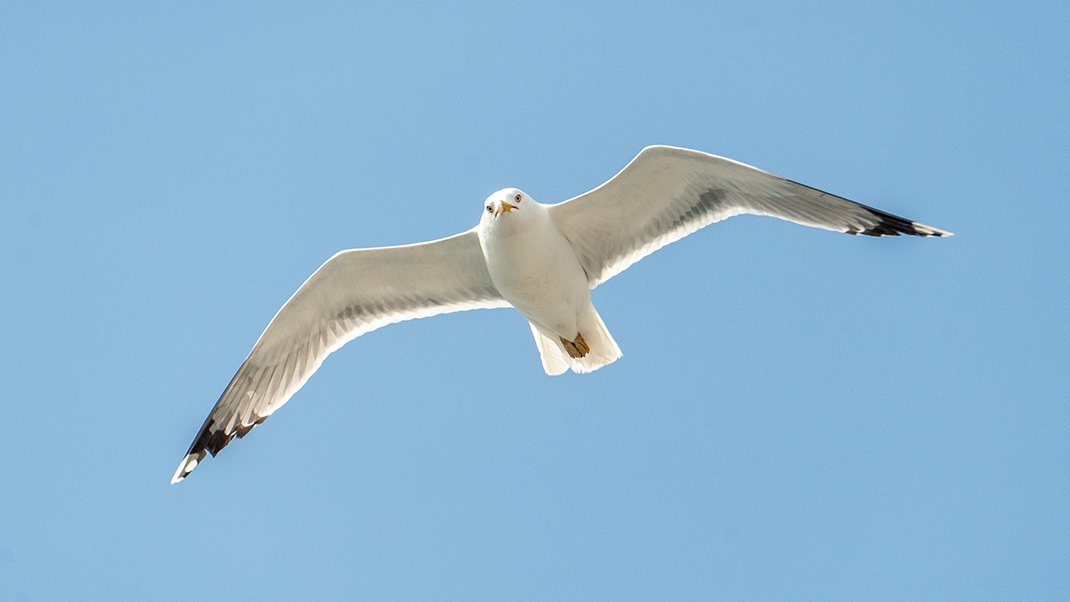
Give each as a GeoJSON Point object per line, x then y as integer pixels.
{"type": "Point", "coordinates": [666, 193]}
{"type": "Point", "coordinates": [410, 281]}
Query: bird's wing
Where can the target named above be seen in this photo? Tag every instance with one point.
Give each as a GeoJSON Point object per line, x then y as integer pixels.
{"type": "Point", "coordinates": [666, 193]}
{"type": "Point", "coordinates": [354, 292]}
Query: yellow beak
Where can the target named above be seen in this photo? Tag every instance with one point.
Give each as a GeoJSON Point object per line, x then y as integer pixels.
{"type": "Point", "coordinates": [503, 207]}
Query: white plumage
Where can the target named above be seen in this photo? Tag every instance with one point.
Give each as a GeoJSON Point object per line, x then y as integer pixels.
{"type": "Point", "coordinates": [542, 260]}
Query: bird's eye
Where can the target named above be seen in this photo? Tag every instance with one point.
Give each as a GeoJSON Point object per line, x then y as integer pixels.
{"type": "Point", "coordinates": [518, 197]}
{"type": "Point", "coordinates": [489, 210]}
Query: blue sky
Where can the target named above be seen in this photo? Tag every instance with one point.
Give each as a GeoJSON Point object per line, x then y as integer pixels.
{"type": "Point", "coordinates": [798, 414]}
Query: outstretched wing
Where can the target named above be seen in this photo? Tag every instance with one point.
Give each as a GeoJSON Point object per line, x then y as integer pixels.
{"type": "Point", "coordinates": [666, 193]}
{"type": "Point", "coordinates": [353, 293]}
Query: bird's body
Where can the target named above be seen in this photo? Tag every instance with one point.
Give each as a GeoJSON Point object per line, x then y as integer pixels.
{"type": "Point", "coordinates": [542, 260]}
{"type": "Point", "coordinates": [535, 269]}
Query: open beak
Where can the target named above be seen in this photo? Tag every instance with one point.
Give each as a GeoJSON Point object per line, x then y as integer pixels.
{"type": "Point", "coordinates": [503, 207]}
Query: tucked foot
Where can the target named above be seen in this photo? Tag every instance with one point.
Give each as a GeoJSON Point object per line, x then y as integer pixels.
{"type": "Point", "coordinates": [576, 349]}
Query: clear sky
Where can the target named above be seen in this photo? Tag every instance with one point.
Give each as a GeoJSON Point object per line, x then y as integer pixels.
{"type": "Point", "coordinates": [798, 415]}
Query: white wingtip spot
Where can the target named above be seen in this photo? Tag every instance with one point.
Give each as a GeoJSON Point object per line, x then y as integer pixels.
{"type": "Point", "coordinates": [931, 231]}
{"type": "Point", "coordinates": [185, 467]}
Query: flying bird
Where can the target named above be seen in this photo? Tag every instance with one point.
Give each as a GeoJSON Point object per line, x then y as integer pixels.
{"type": "Point", "coordinates": [542, 260]}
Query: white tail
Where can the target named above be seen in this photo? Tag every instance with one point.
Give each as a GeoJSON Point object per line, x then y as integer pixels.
{"type": "Point", "coordinates": [555, 360]}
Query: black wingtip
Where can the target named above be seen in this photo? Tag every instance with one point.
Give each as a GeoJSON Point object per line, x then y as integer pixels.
{"type": "Point", "coordinates": [893, 225]}
{"type": "Point", "coordinates": [210, 440]}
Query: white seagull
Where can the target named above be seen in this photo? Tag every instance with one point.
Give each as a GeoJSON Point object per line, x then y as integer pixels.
{"type": "Point", "coordinates": [542, 260]}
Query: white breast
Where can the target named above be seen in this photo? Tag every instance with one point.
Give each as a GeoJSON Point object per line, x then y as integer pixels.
{"type": "Point", "coordinates": [535, 268]}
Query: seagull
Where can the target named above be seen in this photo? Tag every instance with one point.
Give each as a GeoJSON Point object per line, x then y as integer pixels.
{"type": "Point", "coordinates": [542, 260]}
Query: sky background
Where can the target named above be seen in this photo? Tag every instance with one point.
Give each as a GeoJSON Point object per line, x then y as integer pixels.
{"type": "Point", "coordinates": [798, 414]}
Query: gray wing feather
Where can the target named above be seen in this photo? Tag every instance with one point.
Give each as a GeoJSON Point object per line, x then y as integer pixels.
{"type": "Point", "coordinates": [354, 292]}
{"type": "Point", "coordinates": [666, 193]}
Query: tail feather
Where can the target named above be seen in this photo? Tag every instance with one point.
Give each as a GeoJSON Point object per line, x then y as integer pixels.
{"type": "Point", "coordinates": [556, 360]}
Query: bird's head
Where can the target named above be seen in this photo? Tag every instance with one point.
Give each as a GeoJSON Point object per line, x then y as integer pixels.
{"type": "Point", "coordinates": [507, 210]}
{"type": "Point", "coordinates": [505, 201]}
